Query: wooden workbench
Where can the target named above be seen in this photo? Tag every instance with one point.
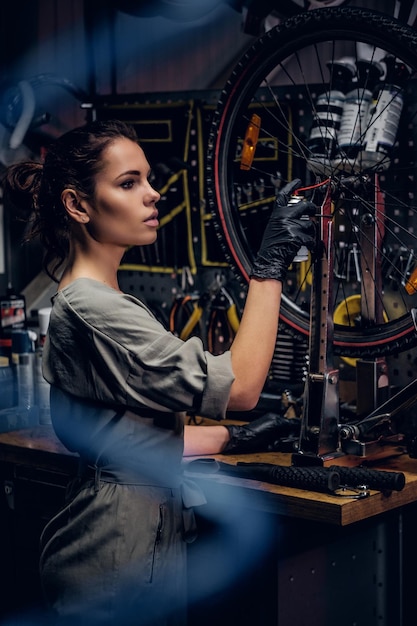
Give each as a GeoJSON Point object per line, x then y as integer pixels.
{"type": "Point", "coordinates": [323, 549]}
{"type": "Point", "coordinates": [38, 447]}
{"type": "Point", "coordinates": [316, 506]}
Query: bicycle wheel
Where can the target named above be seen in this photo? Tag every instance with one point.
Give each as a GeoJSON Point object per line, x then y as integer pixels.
{"type": "Point", "coordinates": [276, 107]}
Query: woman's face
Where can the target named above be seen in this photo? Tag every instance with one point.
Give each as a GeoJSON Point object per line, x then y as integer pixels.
{"type": "Point", "coordinates": [123, 212]}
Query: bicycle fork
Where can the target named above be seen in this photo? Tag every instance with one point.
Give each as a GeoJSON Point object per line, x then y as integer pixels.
{"type": "Point", "coordinates": [319, 436]}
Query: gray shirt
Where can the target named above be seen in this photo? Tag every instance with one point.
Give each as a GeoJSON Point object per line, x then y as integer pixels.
{"type": "Point", "coordinates": [119, 378]}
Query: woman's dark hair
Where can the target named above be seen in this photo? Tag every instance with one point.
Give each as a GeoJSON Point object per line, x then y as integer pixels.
{"type": "Point", "coordinates": [71, 162]}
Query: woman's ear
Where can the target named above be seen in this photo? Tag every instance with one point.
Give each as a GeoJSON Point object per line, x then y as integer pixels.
{"type": "Point", "coordinates": [74, 206]}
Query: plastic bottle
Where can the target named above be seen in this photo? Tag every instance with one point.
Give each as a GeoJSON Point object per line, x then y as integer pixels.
{"type": "Point", "coordinates": [6, 347]}
{"type": "Point", "coordinates": [355, 116]}
{"type": "Point", "coordinates": [385, 116]}
{"type": "Point", "coordinates": [42, 387]}
{"type": "Point", "coordinates": [328, 114]}
{"type": "Point", "coordinates": [7, 384]}
{"type": "Point", "coordinates": [12, 312]}
{"type": "Point", "coordinates": [23, 352]}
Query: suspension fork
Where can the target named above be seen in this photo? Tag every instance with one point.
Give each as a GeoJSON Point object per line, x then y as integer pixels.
{"type": "Point", "coordinates": [371, 237]}
{"type": "Point", "coordinates": [319, 436]}
{"type": "Point", "coordinates": [320, 428]}
{"type": "Point", "coordinates": [372, 385]}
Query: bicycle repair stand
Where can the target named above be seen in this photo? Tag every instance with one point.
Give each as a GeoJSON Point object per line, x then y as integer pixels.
{"type": "Point", "coordinates": [322, 440]}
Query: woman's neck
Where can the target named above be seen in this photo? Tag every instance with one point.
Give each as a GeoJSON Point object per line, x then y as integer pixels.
{"type": "Point", "coordinates": [99, 266]}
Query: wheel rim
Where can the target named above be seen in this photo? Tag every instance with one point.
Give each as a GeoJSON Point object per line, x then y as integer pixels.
{"type": "Point", "coordinates": [241, 212]}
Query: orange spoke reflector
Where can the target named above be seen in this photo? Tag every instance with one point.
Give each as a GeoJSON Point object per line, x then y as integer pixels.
{"type": "Point", "coordinates": [411, 284]}
{"type": "Point", "coordinates": [249, 143]}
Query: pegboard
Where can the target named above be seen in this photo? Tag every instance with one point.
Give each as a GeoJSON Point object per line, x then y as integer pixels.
{"type": "Point", "coordinates": [173, 129]}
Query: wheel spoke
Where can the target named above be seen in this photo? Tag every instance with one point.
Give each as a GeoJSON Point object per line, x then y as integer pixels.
{"type": "Point", "coordinates": [290, 79]}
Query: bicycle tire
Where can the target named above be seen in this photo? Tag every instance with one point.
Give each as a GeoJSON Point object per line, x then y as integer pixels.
{"type": "Point", "coordinates": [329, 28]}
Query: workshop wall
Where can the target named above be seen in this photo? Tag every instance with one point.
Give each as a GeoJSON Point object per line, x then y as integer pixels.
{"type": "Point", "coordinates": [162, 74]}
{"type": "Point", "coordinates": [79, 49]}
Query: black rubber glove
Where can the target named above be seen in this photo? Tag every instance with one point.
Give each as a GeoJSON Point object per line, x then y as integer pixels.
{"type": "Point", "coordinates": [259, 435]}
{"type": "Point", "coordinates": [284, 235]}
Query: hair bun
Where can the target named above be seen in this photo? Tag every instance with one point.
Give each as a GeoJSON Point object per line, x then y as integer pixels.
{"type": "Point", "coordinates": [22, 182]}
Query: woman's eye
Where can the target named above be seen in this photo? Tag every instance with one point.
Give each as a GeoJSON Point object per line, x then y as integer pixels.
{"type": "Point", "coordinates": [128, 184]}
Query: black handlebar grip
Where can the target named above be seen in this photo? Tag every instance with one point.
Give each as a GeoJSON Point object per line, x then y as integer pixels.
{"type": "Point", "coordinates": [324, 479]}
{"type": "Point", "coordinates": [379, 480]}
{"type": "Point", "coordinates": [310, 478]}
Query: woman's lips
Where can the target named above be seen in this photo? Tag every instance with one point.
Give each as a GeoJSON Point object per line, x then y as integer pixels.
{"type": "Point", "coordinates": [153, 220]}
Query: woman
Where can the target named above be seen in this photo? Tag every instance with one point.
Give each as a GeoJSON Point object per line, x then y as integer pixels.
{"type": "Point", "coordinates": [120, 382]}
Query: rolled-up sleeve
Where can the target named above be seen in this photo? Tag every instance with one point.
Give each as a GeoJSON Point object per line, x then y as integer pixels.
{"type": "Point", "coordinates": [180, 376]}
{"type": "Point", "coordinates": [217, 388]}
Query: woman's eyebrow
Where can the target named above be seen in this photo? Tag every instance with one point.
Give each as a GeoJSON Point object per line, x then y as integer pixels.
{"type": "Point", "coordinates": [129, 173]}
